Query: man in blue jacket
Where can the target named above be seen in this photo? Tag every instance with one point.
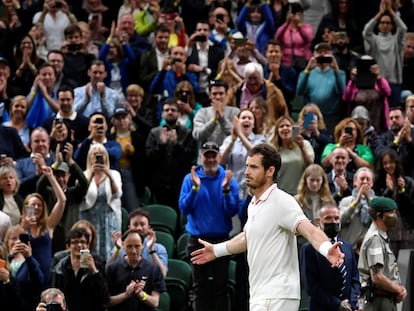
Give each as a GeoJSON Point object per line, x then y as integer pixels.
{"type": "Point", "coordinates": [330, 289]}
{"type": "Point", "coordinates": [209, 198]}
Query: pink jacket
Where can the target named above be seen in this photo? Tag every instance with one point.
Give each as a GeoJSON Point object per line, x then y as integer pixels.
{"type": "Point", "coordinates": [381, 86]}
{"type": "Point", "coordinates": [297, 40]}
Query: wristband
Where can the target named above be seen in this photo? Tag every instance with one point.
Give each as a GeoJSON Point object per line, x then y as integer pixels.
{"type": "Point", "coordinates": [396, 143]}
{"type": "Point", "coordinates": [220, 249]}
{"type": "Point", "coordinates": [306, 71]}
{"type": "Point", "coordinates": [195, 188]}
{"type": "Point", "coordinates": [152, 252]}
{"type": "Point", "coordinates": [117, 250]}
{"type": "Point", "coordinates": [402, 190]}
{"type": "Point", "coordinates": [352, 205]}
{"type": "Point", "coordinates": [144, 296]}
{"type": "Point", "coordinates": [324, 248]}
{"type": "Point", "coordinates": [54, 166]}
{"type": "Point", "coordinates": [226, 190]}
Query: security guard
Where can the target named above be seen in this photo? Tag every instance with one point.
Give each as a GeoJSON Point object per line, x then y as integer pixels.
{"type": "Point", "coordinates": [378, 268]}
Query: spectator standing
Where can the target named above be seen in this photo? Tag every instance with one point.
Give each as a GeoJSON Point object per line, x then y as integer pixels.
{"type": "Point", "coordinates": [330, 289]}
{"type": "Point", "coordinates": [296, 38]}
{"type": "Point", "coordinates": [323, 83]}
{"type": "Point", "coordinates": [39, 224]}
{"type": "Point", "coordinates": [209, 198]}
{"type": "Point", "coordinates": [221, 31]}
{"type": "Point", "coordinates": [375, 99]}
{"type": "Point", "coordinates": [19, 108]}
{"type": "Point", "coordinates": [408, 56]}
{"type": "Point", "coordinates": [313, 129]}
{"type": "Point", "coordinates": [282, 76]}
{"type": "Point", "coordinates": [29, 168]}
{"type": "Point", "coordinates": [236, 146]}
{"type": "Point", "coordinates": [64, 168]}
{"type": "Point", "coordinates": [171, 151]}
{"type": "Point", "coordinates": [264, 122]}
{"type": "Point", "coordinates": [11, 202]}
{"type": "Point", "coordinates": [254, 86]}
{"type": "Point", "coordinates": [377, 265]}
{"type": "Point", "coordinates": [387, 46]}
{"type": "Point", "coordinates": [391, 182]}
{"type": "Point", "coordinates": [134, 283]}
{"type": "Point", "coordinates": [400, 138]}
{"type": "Point", "coordinates": [95, 96]}
{"type": "Point", "coordinates": [339, 178]}
{"type": "Point", "coordinates": [77, 60]}
{"type": "Point", "coordinates": [79, 277]}
{"type": "Point", "coordinates": [133, 160]}
{"type": "Point", "coordinates": [349, 134]}
{"type": "Point", "coordinates": [25, 274]}
{"type": "Point", "coordinates": [98, 129]}
{"type": "Point", "coordinates": [255, 22]}
{"type": "Point", "coordinates": [214, 123]}
{"type": "Point", "coordinates": [203, 59]}
{"type": "Point", "coordinates": [102, 202]}
{"type": "Point", "coordinates": [139, 219]}
{"type": "Point", "coordinates": [54, 18]}
{"type": "Point", "coordinates": [355, 208]}
{"type": "Point", "coordinates": [76, 123]}
{"type": "Point", "coordinates": [296, 154]}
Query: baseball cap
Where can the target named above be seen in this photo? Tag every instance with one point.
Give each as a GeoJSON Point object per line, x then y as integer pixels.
{"type": "Point", "coordinates": [120, 111]}
{"type": "Point", "coordinates": [4, 61]}
{"type": "Point", "coordinates": [323, 46]}
{"type": "Point", "coordinates": [63, 167]}
{"type": "Point", "coordinates": [383, 204]}
{"type": "Point", "coordinates": [210, 146]}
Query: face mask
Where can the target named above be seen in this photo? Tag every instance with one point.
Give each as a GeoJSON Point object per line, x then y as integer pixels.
{"type": "Point", "coordinates": [332, 229]}
{"type": "Point", "coordinates": [391, 221]}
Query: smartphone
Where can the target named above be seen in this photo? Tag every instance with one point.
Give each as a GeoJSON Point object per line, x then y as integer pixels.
{"type": "Point", "coordinates": [24, 238]}
{"type": "Point", "coordinates": [183, 97]}
{"type": "Point", "coordinates": [54, 306]}
{"type": "Point", "coordinates": [58, 121]}
{"type": "Point", "coordinates": [239, 41]}
{"type": "Point", "coordinates": [220, 17]}
{"type": "Point", "coordinates": [2, 263]}
{"type": "Point", "coordinates": [3, 156]}
{"type": "Point", "coordinates": [84, 254]}
{"type": "Point", "coordinates": [99, 158]}
{"type": "Point", "coordinates": [174, 60]}
{"type": "Point", "coordinates": [29, 211]}
{"type": "Point", "coordinates": [324, 59]}
{"type": "Point", "coordinates": [307, 120]}
{"type": "Point", "coordinates": [99, 121]}
{"type": "Point", "coordinates": [200, 38]}
{"type": "Point", "coordinates": [348, 130]}
{"type": "Point", "coordinates": [340, 35]}
{"type": "Point", "coordinates": [295, 130]}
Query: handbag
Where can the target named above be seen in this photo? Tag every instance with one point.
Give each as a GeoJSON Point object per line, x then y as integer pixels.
{"type": "Point", "coordinates": [299, 62]}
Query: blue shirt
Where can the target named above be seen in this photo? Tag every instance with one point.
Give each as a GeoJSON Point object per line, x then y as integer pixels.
{"type": "Point", "coordinates": [95, 104]}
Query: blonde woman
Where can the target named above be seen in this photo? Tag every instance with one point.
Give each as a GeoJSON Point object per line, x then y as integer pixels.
{"type": "Point", "coordinates": [313, 129]}
{"type": "Point", "coordinates": [313, 192]}
{"type": "Point", "coordinates": [11, 203]}
{"type": "Point", "coordinates": [102, 203]}
{"type": "Point", "coordinates": [18, 111]}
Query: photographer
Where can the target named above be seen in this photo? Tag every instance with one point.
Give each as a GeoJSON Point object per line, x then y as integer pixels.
{"type": "Point", "coordinates": [52, 299]}
{"type": "Point", "coordinates": [53, 11]}
{"type": "Point", "coordinates": [322, 82]}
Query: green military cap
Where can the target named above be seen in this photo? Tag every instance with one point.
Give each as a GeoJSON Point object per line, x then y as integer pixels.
{"type": "Point", "coordinates": [383, 204]}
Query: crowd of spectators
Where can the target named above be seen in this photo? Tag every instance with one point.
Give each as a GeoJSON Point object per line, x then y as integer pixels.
{"type": "Point", "coordinates": [103, 100]}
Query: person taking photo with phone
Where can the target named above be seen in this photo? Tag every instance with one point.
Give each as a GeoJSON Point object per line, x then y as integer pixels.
{"type": "Point", "coordinates": [98, 129]}
{"type": "Point", "coordinates": [348, 134]}
{"type": "Point", "coordinates": [323, 83]}
{"type": "Point", "coordinates": [21, 272]}
{"type": "Point", "coordinates": [102, 202]}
